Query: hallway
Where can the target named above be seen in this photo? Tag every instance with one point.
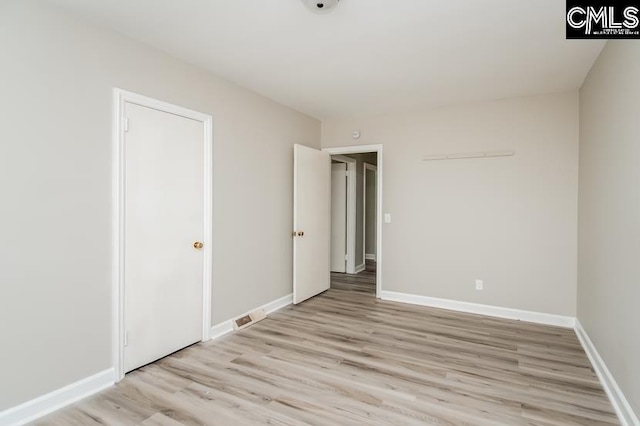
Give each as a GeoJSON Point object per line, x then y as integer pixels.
{"type": "Point", "coordinates": [364, 282]}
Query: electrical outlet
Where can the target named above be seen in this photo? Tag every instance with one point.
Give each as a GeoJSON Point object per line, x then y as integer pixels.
{"type": "Point", "coordinates": [479, 284]}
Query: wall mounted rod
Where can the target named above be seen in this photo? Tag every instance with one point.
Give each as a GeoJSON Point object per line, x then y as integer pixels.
{"type": "Point", "coordinates": [462, 155]}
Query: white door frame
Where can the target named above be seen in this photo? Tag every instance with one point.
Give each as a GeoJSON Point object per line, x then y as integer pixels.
{"type": "Point", "coordinates": [373, 168]}
{"type": "Point", "coordinates": [360, 149]}
{"type": "Point", "coordinates": [120, 97]}
{"type": "Point", "coordinates": [351, 210]}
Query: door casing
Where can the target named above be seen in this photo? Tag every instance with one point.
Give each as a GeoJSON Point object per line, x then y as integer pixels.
{"type": "Point", "coordinates": [120, 97]}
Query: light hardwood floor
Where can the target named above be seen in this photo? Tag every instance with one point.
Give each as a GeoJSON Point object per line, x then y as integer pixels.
{"type": "Point", "coordinates": [364, 282]}
{"type": "Point", "coordinates": [345, 358]}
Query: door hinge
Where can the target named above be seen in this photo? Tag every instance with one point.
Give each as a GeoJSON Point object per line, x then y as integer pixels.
{"type": "Point", "coordinates": [126, 124]}
{"type": "Point", "coordinates": [346, 257]}
{"type": "Point", "coordinates": [126, 338]}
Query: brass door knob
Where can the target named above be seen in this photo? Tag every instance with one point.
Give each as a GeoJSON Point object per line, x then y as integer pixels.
{"type": "Point", "coordinates": [197, 245]}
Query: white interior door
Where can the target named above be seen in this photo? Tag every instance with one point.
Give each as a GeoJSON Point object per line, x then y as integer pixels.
{"type": "Point", "coordinates": [338, 217]}
{"type": "Point", "coordinates": [164, 219]}
{"type": "Point", "coordinates": [311, 222]}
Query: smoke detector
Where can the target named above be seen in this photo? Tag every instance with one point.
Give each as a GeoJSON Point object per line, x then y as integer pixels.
{"type": "Point", "coordinates": [320, 6]}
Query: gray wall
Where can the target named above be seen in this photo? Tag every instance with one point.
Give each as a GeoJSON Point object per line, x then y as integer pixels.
{"type": "Point", "coordinates": [510, 221]}
{"type": "Point", "coordinates": [609, 212]}
{"type": "Point", "coordinates": [57, 76]}
{"type": "Point", "coordinates": [370, 213]}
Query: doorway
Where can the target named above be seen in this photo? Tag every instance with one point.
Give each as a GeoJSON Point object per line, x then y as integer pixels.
{"type": "Point", "coordinates": [364, 276]}
{"type": "Point", "coordinates": [162, 241]}
{"type": "Point", "coordinates": [312, 219]}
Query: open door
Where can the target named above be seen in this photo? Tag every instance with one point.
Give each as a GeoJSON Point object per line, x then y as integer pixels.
{"type": "Point", "coordinates": [311, 222]}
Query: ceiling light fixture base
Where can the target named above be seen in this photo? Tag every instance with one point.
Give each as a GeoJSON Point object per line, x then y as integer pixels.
{"type": "Point", "coordinates": [320, 6]}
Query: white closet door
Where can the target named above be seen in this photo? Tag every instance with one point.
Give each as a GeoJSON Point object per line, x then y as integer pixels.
{"type": "Point", "coordinates": [163, 270]}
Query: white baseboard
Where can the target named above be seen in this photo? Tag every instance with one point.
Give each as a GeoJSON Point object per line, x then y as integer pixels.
{"type": "Point", "coordinates": [48, 403]}
{"type": "Point", "coordinates": [475, 308]}
{"type": "Point", "coordinates": [370, 257]}
{"type": "Point", "coordinates": [226, 327]}
{"type": "Point", "coordinates": [45, 404]}
{"type": "Point", "coordinates": [620, 404]}
{"type": "Point", "coordinates": [360, 268]}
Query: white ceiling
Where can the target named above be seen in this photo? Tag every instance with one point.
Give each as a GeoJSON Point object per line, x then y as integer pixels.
{"type": "Point", "coordinates": [366, 57]}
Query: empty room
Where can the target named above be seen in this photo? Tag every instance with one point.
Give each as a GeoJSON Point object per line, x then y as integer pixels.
{"type": "Point", "coordinates": [319, 212]}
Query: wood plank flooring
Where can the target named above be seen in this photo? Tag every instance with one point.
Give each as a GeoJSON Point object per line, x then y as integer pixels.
{"type": "Point", "coordinates": [364, 282]}
{"type": "Point", "coordinates": [345, 358]}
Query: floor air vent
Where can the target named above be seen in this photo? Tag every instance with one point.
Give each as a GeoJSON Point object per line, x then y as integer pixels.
{"type": "Point", "coordinates": [250, 319]}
